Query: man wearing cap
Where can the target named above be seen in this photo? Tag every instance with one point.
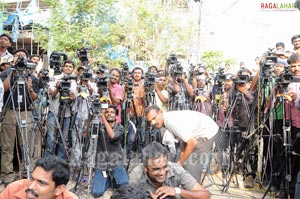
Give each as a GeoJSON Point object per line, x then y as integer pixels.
{"type": "Point", "coordinates": [5, 42]}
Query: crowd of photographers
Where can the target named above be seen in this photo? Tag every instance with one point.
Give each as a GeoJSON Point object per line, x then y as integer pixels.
{"type": "Point", "coordinates": [99, 119]}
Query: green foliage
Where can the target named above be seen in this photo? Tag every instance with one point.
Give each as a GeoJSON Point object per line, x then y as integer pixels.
{"type": "Point", "coordinates": [214, 59]}
{"type": "Point", "coordinates": [149, 30]}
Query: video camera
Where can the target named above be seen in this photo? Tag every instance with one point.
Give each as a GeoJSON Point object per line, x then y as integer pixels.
{"type": "Point", "coordinates": [86, 75]}
{"type": "Point", "coordinates": [220, 77]}
{"type": "Point", "coordinates": [44, 78]}
{"type": "Point", "coordinates": [82, 54]}
{"type": "Point", "coordinates": [286, 77]}
{"type": "Point", "coordinates": [96, 104]}
{"type": "Point", "coordinates": [241, 77]}
{"type": "Point", "coordinates": [102, 82]}
{"type": "Point", "coordinates": [176, 71]}
{"type": "Point", "coordinates": [172, 59]}
{"type": "Point", "coordinates": [22, 64]}
{"type": "Point", "coordinates": [101, 68]}
{"type": "Point", "coordinates": [56, 59]}
{"type": "Point", "coordinates": [150, 78]}
{"type": "Point", "coordinates": [65, 85]}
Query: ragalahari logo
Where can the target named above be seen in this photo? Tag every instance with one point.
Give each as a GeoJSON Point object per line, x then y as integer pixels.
{"type": "Point", "coordinates": [283, 6]}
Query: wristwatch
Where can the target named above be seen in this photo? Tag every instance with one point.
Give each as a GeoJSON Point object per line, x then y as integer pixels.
{"type": "Point", "coordinates": [177, 191]}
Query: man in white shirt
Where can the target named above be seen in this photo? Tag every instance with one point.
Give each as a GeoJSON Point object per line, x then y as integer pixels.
{"type": "Point", "coordinates": [5, 42]}
{"type": "Point", "coordinates": [197, 131]}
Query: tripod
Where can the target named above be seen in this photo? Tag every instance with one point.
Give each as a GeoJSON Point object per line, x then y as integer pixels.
{"type": "Point", "coordinates": [234, 147]}
{"type": "Point", "coordinates": [151, 133]}
{"type": "Point", "coordinates": [138, 138]}
{"type": "Point", "coordinates": [18, 100]}
{"type": "Point", "coordinates": [202, 103]}
{"type": "Point", "coordinates": [286, 163]}
{"type": "Point", "coordinates": [179, 103]}
{"type": "Point", "coordinates": [55, 135]}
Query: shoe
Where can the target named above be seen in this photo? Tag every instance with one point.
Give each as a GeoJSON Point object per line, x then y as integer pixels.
{"type": "Point", "coordinates": [249, 182]}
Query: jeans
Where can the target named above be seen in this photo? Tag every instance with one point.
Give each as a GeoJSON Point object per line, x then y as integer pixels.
{"type": "Point", "coordinates": [102, 183]}
{"type": "Point", "coordinates": [53, 148]}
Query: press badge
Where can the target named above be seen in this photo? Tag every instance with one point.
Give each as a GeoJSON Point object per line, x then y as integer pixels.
{"type": "Point", "coordinates": [104, 174]}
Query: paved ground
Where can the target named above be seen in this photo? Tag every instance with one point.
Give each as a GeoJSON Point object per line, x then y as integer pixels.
{"type": "Point", "coordinates": [214, 183]}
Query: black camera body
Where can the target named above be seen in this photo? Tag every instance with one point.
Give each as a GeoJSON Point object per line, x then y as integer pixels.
{"type": "Point", "coordinates": [83, 55]}
{"type": "Point", "coordinates": [220, 77]}
{"type": "Point", "coordinates": [101, 68]}
{"type": "Point", "coordinates": [86, 75]}
{"type": "Point", "coordinates": [172, 59]}
{"type": "Point", "coordinates": [242, 79]}
{"type": "Point", "coordinates": [56, 59]}
{"type": "Point", "coordinates": [65, 85]}
{"type": "Point", "coordinates": [286, 77]}
{"type": "Point", "coordinates": [102, 83]}
{"type": "Point", "coordinates": [44, 78]}
{"type": "Point", "coordinates": [21, 64]}
{"type": "Point", "coordinates": [129, 87]}
{"type": "Point", "coordinates": [176, 71]}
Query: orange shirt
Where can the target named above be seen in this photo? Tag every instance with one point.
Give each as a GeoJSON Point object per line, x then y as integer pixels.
{"type": "Point", "coordinates": [16, 190]}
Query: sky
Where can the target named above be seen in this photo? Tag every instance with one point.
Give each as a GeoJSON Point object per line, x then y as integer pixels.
{"type": "Point", "coordinates": [243, 31]}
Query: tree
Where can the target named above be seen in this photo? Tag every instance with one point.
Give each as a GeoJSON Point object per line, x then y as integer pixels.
{"type": "Point", "coordinates": [75, 23]}
{"type": "Point", "coordinates": [214, 59]}
{"type": "Point", "coordinates": [150, 30]}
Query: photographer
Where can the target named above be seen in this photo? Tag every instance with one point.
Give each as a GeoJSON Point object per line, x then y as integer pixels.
{"type": "Point", "coordinates": [136, 110]}
{"type": "Point", "coordinates": [36, 60]}
{"type": "Point", "coordinates": [116, 92]}
{"type": "Point", "coordinates": [292, 114]}
{"type": "Point", "coordinates": [17, 107]}
{"type": "Point", "coordinates": [109, 169]}
{"type": "Point", "coordinates": [164, 179]}
{"type": "Point", "coordinates": [225, 103]}
{"type": "Point", "coordinates": [161, 95]}
{"type": "Point", "coordinates": [54, 142]}
{"type": "Point", "coordinates": [180, 91]}
{"type": "Point", "coordinates": [79, 120]}
{"type": "Point", "coordinates": [202, 94]}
